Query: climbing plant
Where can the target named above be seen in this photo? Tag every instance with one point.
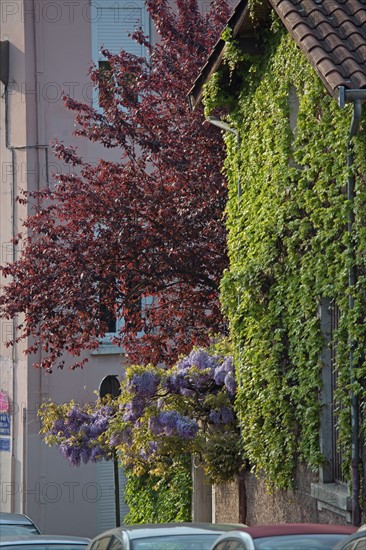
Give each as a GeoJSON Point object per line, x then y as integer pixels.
{"type": "Point", "coordinates": [162, 416]}
{"type": "Point", "coordinates": [289, 248]}
{"type": "Point", "coordinates": [160, 499]}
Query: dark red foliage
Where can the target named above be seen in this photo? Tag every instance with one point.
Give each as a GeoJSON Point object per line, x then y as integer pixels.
{"type": "Point", "coordinates": [149, 225]}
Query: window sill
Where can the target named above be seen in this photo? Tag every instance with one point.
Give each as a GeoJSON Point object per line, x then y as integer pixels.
{"type": "Point", "coordinates": [108, 349]}
{"type": "Point", "coordinates": [334, 497]}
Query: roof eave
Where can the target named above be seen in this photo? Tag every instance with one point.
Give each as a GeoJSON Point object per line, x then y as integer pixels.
{"type": "Point", "coordinates": [240, 21]}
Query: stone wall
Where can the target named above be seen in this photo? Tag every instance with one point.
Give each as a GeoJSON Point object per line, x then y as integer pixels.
{"type": "Point", "coordinates": [249, 501]}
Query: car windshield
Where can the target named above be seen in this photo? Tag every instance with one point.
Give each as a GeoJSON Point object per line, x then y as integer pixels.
{"type": "Point", "coordinates": [300, 542]}
{"type": "Point", "coordinates": [18, 529]}
{"type": "Point", "coordinates": [174, 542]}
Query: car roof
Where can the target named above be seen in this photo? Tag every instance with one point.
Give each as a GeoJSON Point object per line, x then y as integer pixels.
{"type": "Point", "coordinates": [165, 529]}
{"type": "Point", "coordinates": [258, 531]}
{"type": "Point", "coordinates": [359, 534]}
{"type": "Point", "coordinates": [15, 519]}
{"type": "Point", "coordinates": [46, 539]}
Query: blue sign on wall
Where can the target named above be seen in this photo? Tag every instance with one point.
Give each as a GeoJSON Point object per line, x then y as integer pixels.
{"type": "Point", "coordinates": [4, 424]}
{"type": "Point", "coordinates": [4, 444]}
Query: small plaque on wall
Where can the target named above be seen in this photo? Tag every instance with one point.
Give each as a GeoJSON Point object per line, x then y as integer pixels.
{"type": "Point", "coordinates": [4, 444]}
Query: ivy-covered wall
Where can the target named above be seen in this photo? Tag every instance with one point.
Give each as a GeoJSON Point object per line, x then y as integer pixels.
{"type": "Point", "coordinates": [156, 499]}
{"type": "Point", "coordinates": [289, 248]}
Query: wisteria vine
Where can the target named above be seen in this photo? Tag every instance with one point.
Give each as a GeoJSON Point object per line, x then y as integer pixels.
{"type": "Point", "coordinates": [160, 414]}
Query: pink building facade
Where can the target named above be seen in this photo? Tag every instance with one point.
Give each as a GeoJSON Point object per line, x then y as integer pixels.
{"type": "Point", "coordinates": [51, 47]}
{"type": "Point", "coordinates": [52, 44]}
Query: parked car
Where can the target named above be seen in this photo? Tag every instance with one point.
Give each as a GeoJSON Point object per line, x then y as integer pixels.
{"type": "Point", "coordinates": [357, 541]}
{"type": "Point", "coordinates": [43, 542]}
{"type": "Point", "coordinates": [168, 536]}
{"type": "Point", "coordinates": [17, 524]}
{"type": "Point", "coordinates": [291, 536]}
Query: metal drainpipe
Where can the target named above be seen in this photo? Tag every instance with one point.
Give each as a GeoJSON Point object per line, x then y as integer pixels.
{"type": "Point", "coordinates": [355, 455]}
{"type": "Point", "coordinates": [355, 96]}
{"type": "Point", "coordinates": [227, 128]}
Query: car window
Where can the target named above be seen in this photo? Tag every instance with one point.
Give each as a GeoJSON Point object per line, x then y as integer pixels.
{"type": "Point", "coordinates": [175, 542]}
{"type": "Point", "coordinates": [12, 529]}
{"type": "Point", "coordinates": [361, 544]}
{"type": "Point", "coordinates": [221, 545]}
{"type": "Point", "coordinates": [231, 545]}
{"type": "Point", "coordinates": [115, 544]}
{"type": "Point", "coordinates": [300, 542]}
{"type": "Point", "coordinates": [103, 543]}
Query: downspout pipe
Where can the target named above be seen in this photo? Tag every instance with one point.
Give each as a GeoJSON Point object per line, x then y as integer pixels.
{"type": "Point", "coordinates": [225, 126]}
{"type": "Point", "coordinates": [356, 97]}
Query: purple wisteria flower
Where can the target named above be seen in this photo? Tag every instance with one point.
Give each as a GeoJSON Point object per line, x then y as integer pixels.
{"type": "Point", "coordinates": [133, 410]}
{"type": "Point", "coordinates": [85, 454]}
{"type": "Point", "coordinates": [184, 365]}
{"type": "Point", "coordinates": [98, 424]}
{"type": "Point", "coordinates": [175, 382]}
{"type": "Point", "coordinates": [187, 392]}
{"type": "Point", "coordinates": [97, 454]}
{"type": "Point", "coordinates": [155, 426]}
{"type": "Point", "coordinates": [115, 440]}
{"type": "Point", "coordinates": [187, 428]}
{"type": "Point", "coordinates": [81, 430]}
{"type": "Point", "coordinates": [168, 420]}
{"type": "Point", "coordinates": [226, 367]}
{"type": "Point", "coordinates": [144, 384]}
{"type": "Point", "coordinates": [227, 415]}
{"type": "Point", "coordinates": [201, 359]}
{"type": "Point", "coordinates": [149, 450]}
{"type": "Point", "coordinates": [58, 426]}
{"type": "Point", "coordinates": [71, 453]}
{"type": "Point", "coordinates": [75, 418]}
{"type": "Point", "coordinates": [173, 423]}
{"type": "Point", "coordinates": [124, 436]}
{"type": "Point", "coordinates": [230, 383]}
{"type": "Point", "coordinates": [214, 417]}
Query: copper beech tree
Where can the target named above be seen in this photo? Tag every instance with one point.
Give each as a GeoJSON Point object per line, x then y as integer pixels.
{"type": "Point", "coordinates": [108, 233]}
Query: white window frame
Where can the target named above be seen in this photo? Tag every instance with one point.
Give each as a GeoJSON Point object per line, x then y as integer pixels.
{"type": "Point", "coordinates": [106, 341]}
{"type": "Point", "coordinates": [116, 11]}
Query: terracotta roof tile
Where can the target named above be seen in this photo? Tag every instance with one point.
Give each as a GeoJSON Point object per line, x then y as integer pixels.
{"type": "Point", "coordinates": [332, 43]}
{"type": "Point", "coordinates": [294, 18]}
{"type": "Point", "coordinates": [361, 51]}
{"type": "Point", "coordinates": [348, 28]}
{"type": "Point", "coordinates": [341, 52]}
{"type": "Point", "coordinates": [360, 15]}
{"type": "Point", "coordinates": [316, 16]}
{"type": "Point", "coordinates": [359, 79]}
{"type": "Point", "coordinates": [319, 54]}
{"type": "Point", "coordinates": [326, 66]}
{"type": "Point", "coordinates": [302, 31]}
{"type": "Point", "coordinates": [310, 42]}
{"type": "Point", "coordinates": [335, 80]}
{"type": "Point", "coordinates": [356, 40]}
{"type": "Point", "coordinates": [332, 34]}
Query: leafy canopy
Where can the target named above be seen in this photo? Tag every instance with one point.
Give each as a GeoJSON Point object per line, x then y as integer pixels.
{"type": "Point", "coordinates": [149, 224]}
